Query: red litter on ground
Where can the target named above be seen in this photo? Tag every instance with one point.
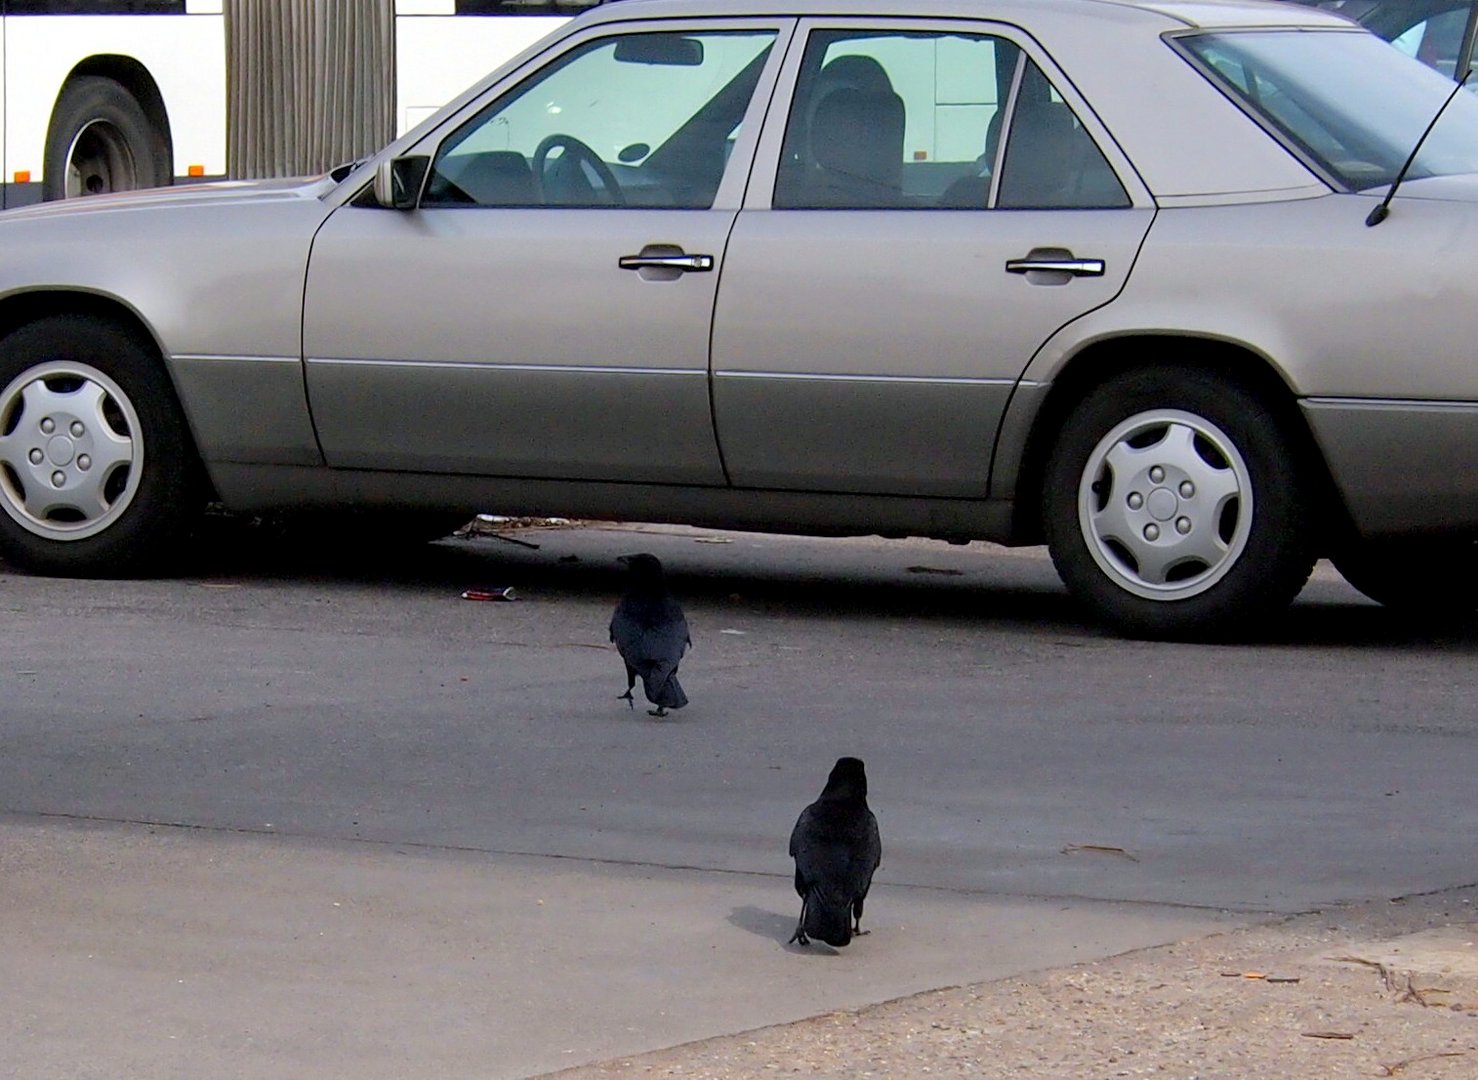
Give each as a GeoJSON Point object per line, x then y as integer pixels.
{"type": "Point", "coordinates": [498, 592]}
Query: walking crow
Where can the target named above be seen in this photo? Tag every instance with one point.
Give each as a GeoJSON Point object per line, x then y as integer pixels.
{"type": "Point", "coordinates": [651, 634]}
{"type": "Point", "coordinates": [836, 849]}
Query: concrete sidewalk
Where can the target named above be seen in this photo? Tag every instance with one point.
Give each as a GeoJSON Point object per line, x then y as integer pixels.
{"type": "Point", "coordinates": [1366, 990]}
{"type": "Point", "coordinates": [154, 952]}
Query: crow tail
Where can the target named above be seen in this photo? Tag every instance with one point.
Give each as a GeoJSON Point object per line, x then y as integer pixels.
{"type": "Point", "coordinates": [827, 915]}
{"type": "Point", "coordinates": [663, 689]}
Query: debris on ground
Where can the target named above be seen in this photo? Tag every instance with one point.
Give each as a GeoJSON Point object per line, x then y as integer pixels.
{"type": "Point", "coordinates": [497, 527]}
{"type": "Point", "coordinates": [491, 592]}
{"type": "Point", "coordinates": [1099, 849]}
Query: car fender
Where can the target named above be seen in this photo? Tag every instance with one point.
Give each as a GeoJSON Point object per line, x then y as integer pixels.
{"type": "Point", "coordinates": [215, 276]}
{"type": "Point", "coordinates": [1336, 307]}
{"type": "Point", "coordinates": [1335, 310]}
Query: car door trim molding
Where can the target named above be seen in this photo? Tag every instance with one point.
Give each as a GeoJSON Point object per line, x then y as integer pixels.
{"type": "Point", "coordinates": [192, 357]}
{"type": "Point", "coordinates": [481, 365]}
{"type": "Point", "coordinates": [1393, 403]}
{"type": "Point", "coordinates": [802, 376]}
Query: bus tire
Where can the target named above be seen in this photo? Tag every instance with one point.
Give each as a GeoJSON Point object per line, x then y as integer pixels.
{"type": "Point", "coordinates": [101, 140]}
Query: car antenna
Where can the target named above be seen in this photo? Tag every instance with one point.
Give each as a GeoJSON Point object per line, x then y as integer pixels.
{"type": "Point", "coordinates": [1383, 211]}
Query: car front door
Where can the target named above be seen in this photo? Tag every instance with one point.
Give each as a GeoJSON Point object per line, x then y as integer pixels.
{"type": "Point", "coordinates": [935, 210]}
{"type": "Point", "coordinates": [544, 311]}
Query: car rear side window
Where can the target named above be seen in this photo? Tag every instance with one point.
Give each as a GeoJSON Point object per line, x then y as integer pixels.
{"type": "Point", "coordinates": [1051, 162]}
{"type": "Point", "coordinates": [1345, 101]}
{"type": "Point", "coordinates": [933, 120]}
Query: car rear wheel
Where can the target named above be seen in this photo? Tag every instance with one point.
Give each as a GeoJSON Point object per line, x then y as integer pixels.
{"type": "Point", "coordinates": [1174, 505]}
{"type": "Point", "coordinates": [1434, 578]}
{"type": "Point", "coordinates": [96, 465]}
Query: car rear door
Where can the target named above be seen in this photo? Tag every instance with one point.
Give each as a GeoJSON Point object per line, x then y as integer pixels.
{"type": "Point", "coordinates": [545, 310]}
{"type": "Point", "coordinates": [927, 210]}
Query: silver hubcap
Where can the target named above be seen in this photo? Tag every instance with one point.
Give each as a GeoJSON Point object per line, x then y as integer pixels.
{"type": "Point", "coordinates": [1165, 504]}
{"type": "Point", "coordinates": [70, 456]}
{"type": "Point", "coordinates": [99, 161]}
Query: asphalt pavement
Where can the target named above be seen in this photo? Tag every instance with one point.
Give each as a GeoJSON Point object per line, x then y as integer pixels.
{"type": "Point", "coordinates": [324, 817]}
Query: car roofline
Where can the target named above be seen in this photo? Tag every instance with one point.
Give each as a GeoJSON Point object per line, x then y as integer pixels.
{"type": "Point", "coordinates": [1177, 14]}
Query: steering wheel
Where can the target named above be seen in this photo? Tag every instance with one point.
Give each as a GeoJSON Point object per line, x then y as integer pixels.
{"type": "Point", "coordinates": [576, 153]}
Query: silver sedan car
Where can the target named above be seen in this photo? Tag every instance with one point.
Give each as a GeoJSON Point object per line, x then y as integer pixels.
{"type": "Point", "coordinates": [1154, 283]}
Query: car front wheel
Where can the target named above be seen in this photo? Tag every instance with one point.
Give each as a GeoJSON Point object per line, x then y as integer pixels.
{"type": "Point", "coordinates": [1174, 505]}
{"type": "Point", "coordinates": [96, 465]}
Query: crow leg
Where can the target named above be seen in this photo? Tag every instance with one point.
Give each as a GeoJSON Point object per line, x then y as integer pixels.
{"type": "Point", "coordinates": [658, 711]}
{"type": "Point", "coordinates": [630, 685]}
{"type": "Point", "coordinates": [857, 918]}
{"type": "Point", "coordinates": [800, 927]}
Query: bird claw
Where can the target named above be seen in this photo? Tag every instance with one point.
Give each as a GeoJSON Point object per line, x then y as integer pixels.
{"type": "Point", "coordinates": [658, 711]}
{"type": "Point", "coordinates": [626, 697]}
{"type": "Point", "coordinates": [799, 938]}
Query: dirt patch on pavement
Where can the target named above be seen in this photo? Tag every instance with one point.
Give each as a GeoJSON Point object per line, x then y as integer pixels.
{"type": "Point", "coordinates": [1372, 990]}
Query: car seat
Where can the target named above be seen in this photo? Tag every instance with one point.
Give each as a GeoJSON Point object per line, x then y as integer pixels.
{"type": "Point", "coordinates": [847, 148]}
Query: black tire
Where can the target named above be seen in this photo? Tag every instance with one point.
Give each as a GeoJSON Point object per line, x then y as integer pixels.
{"type": "Point", "coordinates": [99, 128]}
{"type": "Point", "coordinates": [98, 474]}
{"type": "Point", "coordinates": [1432, 579]}
{"type": "Point", "coordinates": [1217, 539]}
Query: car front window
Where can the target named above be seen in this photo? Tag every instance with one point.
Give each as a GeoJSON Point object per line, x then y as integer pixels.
{"type": "Point", "coordinates": [644, 119]}
{"type": "Point", "coordinates": [1349, 102]}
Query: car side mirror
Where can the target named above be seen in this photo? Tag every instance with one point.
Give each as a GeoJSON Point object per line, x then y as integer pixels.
{"type": "Point", "coordinates": [398, 181]}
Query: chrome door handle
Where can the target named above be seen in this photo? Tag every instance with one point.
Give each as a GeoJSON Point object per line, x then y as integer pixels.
{"type": "Point", "coordinates": [1075, 267]}
{"type": "Point", "coordinates": [696, 263]}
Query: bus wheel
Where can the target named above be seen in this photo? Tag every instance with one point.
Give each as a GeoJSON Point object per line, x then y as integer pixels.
{"type": "Point", "coordinates": [101, 140]}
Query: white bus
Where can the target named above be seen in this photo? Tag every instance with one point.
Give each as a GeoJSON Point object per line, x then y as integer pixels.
{"type": "Point", "coordinates": [110, 95]}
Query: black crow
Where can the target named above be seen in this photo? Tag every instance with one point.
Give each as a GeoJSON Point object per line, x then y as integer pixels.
{"type": "Point", "coordinates": [651, 634]}
{"type": "Point", "coordinates": [836, 849]}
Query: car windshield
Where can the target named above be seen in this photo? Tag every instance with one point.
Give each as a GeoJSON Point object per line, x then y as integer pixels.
{"type": "Point", "coordinates": [1349, 102]}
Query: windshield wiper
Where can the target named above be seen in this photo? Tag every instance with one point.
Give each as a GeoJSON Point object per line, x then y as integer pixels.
{"type": "Point", "coordinates": [338, 172]}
